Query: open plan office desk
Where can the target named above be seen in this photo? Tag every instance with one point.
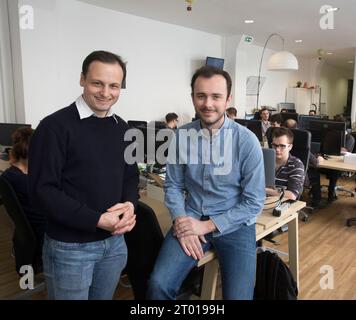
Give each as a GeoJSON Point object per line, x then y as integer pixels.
{"type": "Point", "coordinates": [266, 223]}
{"type": "Point", "coordinates": [337, 163]}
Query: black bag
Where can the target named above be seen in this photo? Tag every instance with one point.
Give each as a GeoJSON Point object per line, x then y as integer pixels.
{"type": "Point", "coordinates": [274, 280]}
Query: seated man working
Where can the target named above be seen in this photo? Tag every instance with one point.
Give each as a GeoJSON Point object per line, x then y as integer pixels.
{"type": "Point", "coordinates": [333, 175]}
{"type": "Point", "coordinates": [289, 169]}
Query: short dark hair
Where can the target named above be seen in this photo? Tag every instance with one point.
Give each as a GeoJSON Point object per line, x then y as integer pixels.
{"type": "Point", "coordinates": [312, 111]}
{"type": "Point", "coordinates": [276, 118]}
{"type": "Point", "coordinates": [209, 72]}
{"type": "Point", "coordinates": [232, 111]}
{"type": "Point", "coordinates": [21, 139]}
{"type": "Point", "coordinates": [105, 57]}
{"type": "Point", "coordinates": [282, 131]}
{"type": "Point", "coordinates": [339, 117]}
{"type": "Point", "coordinates": [171, 116]}
{"type": "Point", "coordinates": [263, 109]}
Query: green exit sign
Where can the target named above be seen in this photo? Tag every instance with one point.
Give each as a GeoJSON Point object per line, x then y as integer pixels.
{"type": "Point", "coordinates": [249, 39]}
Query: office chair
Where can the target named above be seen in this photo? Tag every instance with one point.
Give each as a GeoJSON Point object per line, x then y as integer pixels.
{"type": "Point", "coordinates": [143, 243]}
{"type": "Point", "coordinates": [301, 150]}
{"type": "Point", "coordinates": [25, 245]}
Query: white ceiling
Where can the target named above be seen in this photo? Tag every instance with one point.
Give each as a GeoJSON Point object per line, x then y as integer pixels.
{"type": "Point", "coordinates": [290, 18]}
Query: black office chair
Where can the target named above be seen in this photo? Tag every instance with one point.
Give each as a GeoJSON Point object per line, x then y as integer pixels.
{"type": "Point", "coordinates": [350, 221]}
{"type": "Point", "coordinates": [144, 243]}
{"type": "Point", "coordinates": [26, 249]}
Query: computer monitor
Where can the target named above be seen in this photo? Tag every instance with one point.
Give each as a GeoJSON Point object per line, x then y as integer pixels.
{"type": "Point", "coordinates": [269, 160]}
{"type": "Point", "coordinates": [290, 106]}
{"type": "Point", "coordinates": [215, 62]}
{"type": "Point", "coordinates": [137, 123]}
{"type": "Point", "coordinates": [289, 115]}
{"type": "Point", "coordinates": [6, 131]}
{"type": "Point", "coordinates": [330, 134]}
{"type": "Point", "coordinates": [304, 121]}
{"type": "Point", "coordinates": [253, 125]}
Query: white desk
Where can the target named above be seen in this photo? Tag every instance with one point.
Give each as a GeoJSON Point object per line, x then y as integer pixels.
{"type": "Point", "coordinates": [337, 163]}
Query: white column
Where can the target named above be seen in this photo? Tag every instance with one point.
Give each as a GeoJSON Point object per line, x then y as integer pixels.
{"type": "Point", "coordinates": [7, 98]}
{"type": "Point", "coordinates": [353, 105]}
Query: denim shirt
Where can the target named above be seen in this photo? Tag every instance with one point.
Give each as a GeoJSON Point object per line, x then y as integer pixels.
{"type": "Point", "coordinates": [220, 176]}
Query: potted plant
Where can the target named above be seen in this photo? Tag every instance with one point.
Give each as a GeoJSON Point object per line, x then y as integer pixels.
{"type": "Point", "coordinates": [299, 84]}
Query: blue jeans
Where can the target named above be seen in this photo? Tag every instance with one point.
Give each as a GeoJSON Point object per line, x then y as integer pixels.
{"type": "Point", "coordinates": [82, 271]}
{"type": "Point", "coordinates": [236, 253]}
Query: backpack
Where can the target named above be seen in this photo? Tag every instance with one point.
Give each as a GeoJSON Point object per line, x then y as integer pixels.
{"type": "Point", "coordinates": [274, 280]}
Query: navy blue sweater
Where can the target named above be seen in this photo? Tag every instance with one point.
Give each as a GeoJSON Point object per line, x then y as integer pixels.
{"type": "Point", "coordinates": [77, 171]}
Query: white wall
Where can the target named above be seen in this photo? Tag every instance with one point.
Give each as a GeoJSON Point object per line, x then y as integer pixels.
{"type": "Point", "coordinates": [248, 59]}
{"type": "Point", "coordinates": [161, 59]}
{"type": "Point", "coordinates": [334, 83]}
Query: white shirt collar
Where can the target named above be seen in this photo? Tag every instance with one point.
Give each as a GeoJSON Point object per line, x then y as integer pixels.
{"type": "Point", "coordinates": [85, 111]}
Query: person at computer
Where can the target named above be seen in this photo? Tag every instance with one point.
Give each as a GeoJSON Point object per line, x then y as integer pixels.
{"type": "Point", "coordinates": [264, 113]}
{"type": "Point", "coordinates": [333, 175]}
{"type": "Point", "coordinates": [290, 124]}
{"type": "Point", "coordinates": [17, 176]}
{"type": "Point", "coordinates": [289, 169]}
{"type": "Point", "coordinates": [312, 112]}
{"type": "Point", "coordinates": [224, 195]}
{"type": "Point", "coordinates": [171, 120]}
{"type": "Point", "coordinates": [276, 121]}
{"type": "Point", "coordinates": [231, 113]}
{"type": "Point", "coordinates": [79, 177]}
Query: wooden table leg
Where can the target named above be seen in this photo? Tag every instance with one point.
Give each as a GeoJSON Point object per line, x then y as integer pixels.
{"type": "Point", "coordinates": [293, 248]}
{"type": "Point", "coordinates": [211, 270]}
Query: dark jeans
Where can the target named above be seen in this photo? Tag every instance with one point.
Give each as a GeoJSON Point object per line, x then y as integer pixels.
{"type": "Point", "coordinates": [314, 179]}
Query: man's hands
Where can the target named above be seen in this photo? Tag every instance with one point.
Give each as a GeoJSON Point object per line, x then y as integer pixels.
{"type": "Point", "coordinates": [187, 226]}
{"type": "Point", "coordinates": [118, 219]}
{"type": "Point", "coordinates": [190, 233]}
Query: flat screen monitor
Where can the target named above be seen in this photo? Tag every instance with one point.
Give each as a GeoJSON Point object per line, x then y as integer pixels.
{"type": "Point", "coordinates": [290, 106]}
{"type": "Point", "coordinates": [6, 131]}
{"type": "Point", "coordinates": [289, 115]}
{"type": "Point", "coordinates": [215, 62]}
{"type": "Point", "coordinates": [254, 125]}
{"type": "Point", "coordinates": [137, 123]}
{"type": "Point", "coordinates": [330, 134]}
{"type": "Point", "coordinates": [269, 160]}
{"type": "Point", "coordinates": [304, 121]}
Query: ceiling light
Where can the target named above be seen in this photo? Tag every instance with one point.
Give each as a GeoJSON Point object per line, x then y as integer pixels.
{"type": "Point", "coordinates": [279, 61]}
{"type": "Point", "coordinates": [249, 21]}
{"type": "Point", "coordinates": [351, 61]}
{"type": "Point", "coordinates": [329, 53]}
{"type": "Point", "coordinates": [332, 9]}
{"type": "Point", "coordinates": [298, 41]}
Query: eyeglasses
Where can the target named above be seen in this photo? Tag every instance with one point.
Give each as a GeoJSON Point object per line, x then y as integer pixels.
{"type": "Point", "coordinates": [280, 146]}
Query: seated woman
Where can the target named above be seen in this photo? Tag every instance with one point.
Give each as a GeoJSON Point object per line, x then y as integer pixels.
{"type": "Point", "coordinates": [16, 175]}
